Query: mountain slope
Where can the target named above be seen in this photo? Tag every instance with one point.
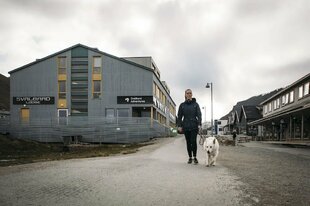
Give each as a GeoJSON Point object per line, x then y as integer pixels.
{"type": "Point", "coordinates": [252, 101]}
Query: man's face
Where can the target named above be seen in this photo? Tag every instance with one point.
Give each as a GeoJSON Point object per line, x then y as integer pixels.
{"type": "Point", "coordinates": [188, 94]}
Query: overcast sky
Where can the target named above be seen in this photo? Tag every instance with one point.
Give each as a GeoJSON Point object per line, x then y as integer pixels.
{"type": "Point", "coordinates": [244, 47]}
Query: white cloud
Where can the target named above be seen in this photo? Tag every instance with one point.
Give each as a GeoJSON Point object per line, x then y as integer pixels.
{"type": "Point", "coordinates": [238, 45]}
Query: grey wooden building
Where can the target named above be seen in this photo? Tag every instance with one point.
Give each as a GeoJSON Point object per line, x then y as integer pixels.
{"type": "Point", "coordinates": [286, 115]}
{"type": "Point", "coordinates": [85, 83]}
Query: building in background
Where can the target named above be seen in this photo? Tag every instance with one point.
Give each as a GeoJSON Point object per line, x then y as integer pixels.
{"type": "Point", "coordinates": [219, 126]}
{"type": "Point", "coordinates": [86, 92]}
{"type": "Point", "coordinates": [248, 114]}
{"type": "Point", "coordinates": [286, 115]}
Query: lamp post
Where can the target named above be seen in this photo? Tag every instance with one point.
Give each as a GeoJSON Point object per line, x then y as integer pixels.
{"type": "Point", "coordinates": [210, 85]}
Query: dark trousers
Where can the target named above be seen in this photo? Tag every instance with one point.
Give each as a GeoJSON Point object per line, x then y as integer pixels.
{"type": "Point", "coordinates": [191, 142]}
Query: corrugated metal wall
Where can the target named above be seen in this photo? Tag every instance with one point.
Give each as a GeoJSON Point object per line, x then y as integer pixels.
{"type": "Point", "coordinates": [89, 129]}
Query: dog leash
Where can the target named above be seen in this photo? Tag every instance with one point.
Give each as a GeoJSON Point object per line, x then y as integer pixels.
{"type": "Point", "coordinates": [202, 139]}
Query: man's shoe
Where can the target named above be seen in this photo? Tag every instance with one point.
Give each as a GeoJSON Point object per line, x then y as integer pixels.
{"type": "Point", "coordinates": [189, 161]}
{"type": "Point", "coordinates": [195, 161]}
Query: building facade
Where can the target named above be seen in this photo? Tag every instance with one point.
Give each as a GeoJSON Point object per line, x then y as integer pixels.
{"type": "Point", "coordinates": [84, 83]}
{"type": "Point", "coordinates": [220, 126]}
{"type": "Point", "coordinates": [249, 113]}
{"type": "Point", "coordinates": [286, 115]}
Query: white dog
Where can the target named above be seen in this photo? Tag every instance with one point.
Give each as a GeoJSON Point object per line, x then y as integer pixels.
{"type": "Point", "coordinates": [211, 146]}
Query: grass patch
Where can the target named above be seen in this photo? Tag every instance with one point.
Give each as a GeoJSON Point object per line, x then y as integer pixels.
{"type": "Point", "coordinates": [17, 151]}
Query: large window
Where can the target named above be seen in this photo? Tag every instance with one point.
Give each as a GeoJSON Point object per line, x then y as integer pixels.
{"type": "Point", "coordinates": [96, 77]}
{"type": "Point", "coordinates": [62, 79]}
{"type": "Point", "coordinates": [97, 65]}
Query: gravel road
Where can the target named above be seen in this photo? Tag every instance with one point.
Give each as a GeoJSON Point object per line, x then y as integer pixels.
{"type": "Point", "coordinates": [275, 174]}
{"type": "Point", "coordinates": [250, 174]}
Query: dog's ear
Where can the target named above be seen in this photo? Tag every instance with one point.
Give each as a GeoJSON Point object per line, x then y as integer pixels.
{"type": "Point", "coordinates": [214, 141]}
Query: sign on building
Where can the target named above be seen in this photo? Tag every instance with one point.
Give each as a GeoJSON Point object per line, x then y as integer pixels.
{"type": "Point", "coordinates": [33, 100]}
{"type": "Point", "coordinates": [134, 99]}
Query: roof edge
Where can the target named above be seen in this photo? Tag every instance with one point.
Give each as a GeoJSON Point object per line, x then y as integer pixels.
{"type": "Point", "coordinates": [286, 88]}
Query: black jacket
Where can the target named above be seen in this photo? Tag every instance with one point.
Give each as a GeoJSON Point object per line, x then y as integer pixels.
{"type": "Point", "coordinates": [189, 115]}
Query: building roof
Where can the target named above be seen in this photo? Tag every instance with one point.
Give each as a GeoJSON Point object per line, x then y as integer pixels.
{"type": "Point", "coordinates": [255, 100]}
{"type": "Point", "coordinates": [86, 47]}
{"type": "Point", "coordinates": [287, 88]}
{"type": "Point", "coordinates": [251, 112]}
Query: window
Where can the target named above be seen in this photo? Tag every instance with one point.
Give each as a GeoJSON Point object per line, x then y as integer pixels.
{"type": "Point", "coordinates": [62, 89]}
{"type": "Point", "coordinates": [62, 116]}
{"type": "Point", "coordinates": [97, 65]}
{"type": "Point", "coordinates": [97, 61]}
{"type": "Point", "coordinates": [265, 109]}
{"type": "Point", "coordinates": [157, 91]}
{"type": "Point", "coordinates": [278, 103]}
{"type": "Point", "coordinates": [96, 77]}
{"type": "Point", "coordinates": [62, 78]}
{"type": "Point", "coordinates": [306, 89]}
{"type": "Point", "coordinates": [109, 113]}
{"type": "Point", "coordinates": [62, 86]}
{"type": "Point", "coordinates": [270, 107]}
{"type": "Point", "coordinates": [62, 65]}
{"type": "Point", "coordinates": [164, 99]}
{"type": "Point", "coordinates": [283, 100]}
{"type": "Point", "coordinates": [300, 91]}
{"type": "Point", "coordinates": [291, 96]}
{"type": "Point", "coordinates": [122, 112]}
{"type": "Point", "coordinates": [62, 112]}
{"type": "Point", "coordinates": [97, 89]}
{"type": "Point", "coordinates": [274, 104]}
{"type": "Point", "coordinates": [97, 70]}
{"type": "Point", "coordinates": [287, 98]}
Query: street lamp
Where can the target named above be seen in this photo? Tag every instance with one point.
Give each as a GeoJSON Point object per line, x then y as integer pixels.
{"type": "Point", "coordinates": [210, 85]}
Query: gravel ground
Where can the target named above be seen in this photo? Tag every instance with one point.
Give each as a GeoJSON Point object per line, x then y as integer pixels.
{"type": "Point", "coordinates": [249, 174]}
{"type": "Point", "coordinates": [275, 174]}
